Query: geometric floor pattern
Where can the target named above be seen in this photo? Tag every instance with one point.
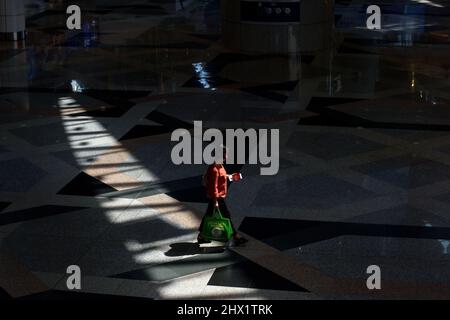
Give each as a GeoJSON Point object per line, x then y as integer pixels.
{"type": "Point", "coordinates": [87, 179]}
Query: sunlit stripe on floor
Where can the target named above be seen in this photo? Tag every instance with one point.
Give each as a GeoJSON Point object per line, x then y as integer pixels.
{"type": "Point", "coordinates": [170, 210]}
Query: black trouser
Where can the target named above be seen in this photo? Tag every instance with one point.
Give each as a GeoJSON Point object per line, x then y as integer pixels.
{"type": "Point", "coordinates": [223, 210]}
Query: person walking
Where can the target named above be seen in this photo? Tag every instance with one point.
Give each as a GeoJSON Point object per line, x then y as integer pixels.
{"type": "Point", "coordinates": [215, 182]}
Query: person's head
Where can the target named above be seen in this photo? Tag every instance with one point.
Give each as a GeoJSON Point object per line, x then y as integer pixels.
{"type": "Point", "coordinates": [223, 155]}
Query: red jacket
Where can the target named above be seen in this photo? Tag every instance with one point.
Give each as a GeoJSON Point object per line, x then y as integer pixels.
{"type": "Point", "coordinates": [216, 181]}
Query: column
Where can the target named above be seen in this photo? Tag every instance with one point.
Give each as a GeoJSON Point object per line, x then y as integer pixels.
{"type": "Point", "coordinates": [278, 26]}
{"type": "Point", "coordinates": [12, 20]}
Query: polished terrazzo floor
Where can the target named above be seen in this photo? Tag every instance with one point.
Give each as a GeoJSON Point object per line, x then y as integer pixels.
{"type": "Point", "coordinates": [86, 176]}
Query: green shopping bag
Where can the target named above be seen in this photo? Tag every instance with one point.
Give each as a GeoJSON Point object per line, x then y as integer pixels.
{"type": "Point", "coordinates": [216, 227]}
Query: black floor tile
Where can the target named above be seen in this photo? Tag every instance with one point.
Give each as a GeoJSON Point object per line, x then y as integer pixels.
{"type": "Point", "coordinates": [4, 295]}
{"type": "Point", "coordinates": [275, 96]}
{"type": "Point", "coordinates": [120, 94]}
{"type": "Point", "coordinates": [61, 295]}
{"type": "Point", "coordinates": [212, 69]}
{"type": "Point", "coordinates": [248, 274]}
{"type": "Point", "coordinates": [85, 185]}
{"type": "Point", "coordinates": [196, 194]}
{"type": "Point", "coordinates": [167, 125]}
{"type": "Point", "coordinates": [334, 118]}
{"type": "Point", "coordinates": [279, 86]}
{"type": "Point", "coordinates": [285, 234]}
{"type": "Point", "coordinates": [168, 121]}
{"type": "Point", "coordinates": [118, 99]}
{"type": "Point", "coordinates": [141, 131]}
{"type": "Point", "coordinates": [35, 213]}
{"type": "Point", "coordinates": [3, 205]}
{"type": "Point", "coordinates": [318, 103]}
{"type": "Point", "coordinates": [269, 90]}
{"type": "Point", "coordinates": [223, 59]}
{"type": "Point", "coordinates": [212, 81]}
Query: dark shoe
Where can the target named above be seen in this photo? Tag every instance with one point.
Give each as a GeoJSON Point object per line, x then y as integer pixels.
{"type": "Point", "coordinates": [239, 240]}
{"type": "Point", "coordinates": [201, 240]}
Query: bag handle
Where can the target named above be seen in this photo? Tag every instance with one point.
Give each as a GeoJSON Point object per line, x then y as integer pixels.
{"type": "Point", "coordinates": [217, 214]}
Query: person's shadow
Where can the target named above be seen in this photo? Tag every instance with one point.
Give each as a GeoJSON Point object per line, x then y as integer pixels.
{"type": "Point", "coordinates": [192, 248]}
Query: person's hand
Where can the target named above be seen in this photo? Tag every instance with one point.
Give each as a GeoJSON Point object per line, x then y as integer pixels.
{"type": "Point", "coordinates": [236, 176]}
